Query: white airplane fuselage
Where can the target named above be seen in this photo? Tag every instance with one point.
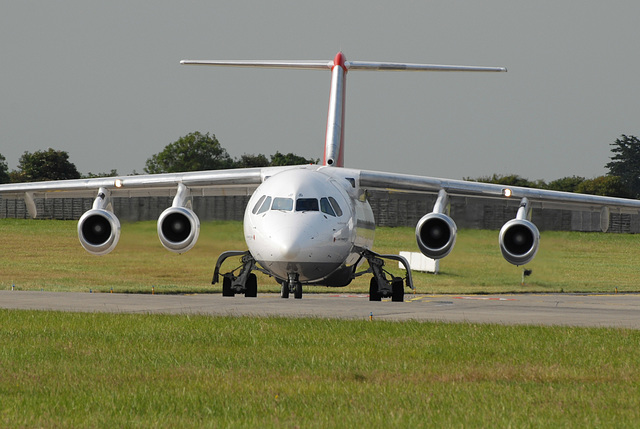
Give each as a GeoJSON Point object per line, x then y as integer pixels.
{"type": "Point", "coordinates": [312, 222]}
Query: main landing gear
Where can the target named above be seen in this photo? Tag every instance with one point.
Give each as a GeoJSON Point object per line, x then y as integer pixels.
{"type": "Point", "coordinates": [384, 284]}
{"type": "Point", "coordinates": [244, 281]}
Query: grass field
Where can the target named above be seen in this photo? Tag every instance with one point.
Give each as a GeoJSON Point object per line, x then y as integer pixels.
{"type": "Point", "coordinates": [121, 370]}
{"type": "Point", "coordinates": [105, 370]}
{"type": "Point", "coordinates": [47, 255]}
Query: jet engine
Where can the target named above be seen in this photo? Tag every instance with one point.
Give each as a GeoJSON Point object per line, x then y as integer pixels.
{"type": "Point", "coordinates": [178, 229]}
{"type": "Point", "coordinates": [99, 228]}
{"type": "Point", "coordinates": [436, 231]}
{"type": "Point", "coordinates": [436, 235]}
{"type": "Point", "coordinates": [519, 238]}
{"type": "Point", "coordinates": [179, 226]}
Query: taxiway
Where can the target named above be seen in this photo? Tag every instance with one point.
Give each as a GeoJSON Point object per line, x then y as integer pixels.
{"type": "Point", "coordinates": [618, 311]}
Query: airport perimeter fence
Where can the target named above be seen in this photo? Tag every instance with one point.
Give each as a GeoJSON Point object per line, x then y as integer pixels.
{"type": "Point", "coordinates": [390, 209]}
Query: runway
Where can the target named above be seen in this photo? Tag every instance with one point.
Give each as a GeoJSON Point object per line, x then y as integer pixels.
{"type": "Point", "coordinates": [618, 311]}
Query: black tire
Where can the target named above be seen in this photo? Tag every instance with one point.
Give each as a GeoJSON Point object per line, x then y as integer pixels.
{"type": "Point", "coordinates": [297, 293]}
{"type": "Point", "coordinates": [284, 290]}
{"type": "Point", "coordinates": [397, 290]}
{"type": "Point", "coordinates": [252, 286]}
{"type": "Point", "coordinates": [373, 290]}
{"type": "Point", "coordinates": [226, 287]}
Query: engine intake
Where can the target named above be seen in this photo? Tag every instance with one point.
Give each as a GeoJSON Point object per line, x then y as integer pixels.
{"type": "Point", "coordinates": [178, 229]}
{"type": "Point", "coordinates": [519, 240]}
{"type": "Point", "coordinates": [99, 231]}
{"type": "Point", "coordinates": [436, 235]}
{"type": "Point", "coordinates": [436, 231]}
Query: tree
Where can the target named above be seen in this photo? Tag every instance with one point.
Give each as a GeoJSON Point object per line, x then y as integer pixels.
{"type": "Point", "coordinates": [609, 186]}
{"type": "Point", "coordinates": [91, 175]}
{"type": "Point", "coordinates": [193, 152]}
{"type": "Point", "coordinates": [566, 184]}
{"type": "Point", "coordinates": [46, 165]}
{"type": "Point", "coordinates": [626, 163]}
{"type": "Point", "coordinates": [290, 159]}
{"type": "Point", "coordinates": [247, 161]}
{"type": "Point", "coordinates": [509, 180]}
{"type": "Point", "coordinates": [4, 170]}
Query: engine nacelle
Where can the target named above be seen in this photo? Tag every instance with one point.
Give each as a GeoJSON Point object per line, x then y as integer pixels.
{"type": "Point", "coordinates": [436, 235]}
{"type": "Point", "coordinates": [99, 231]}
{"type": "Point", "coordinates": [178, 229]}
{"type": "Point", "coordinates": [519, 240]}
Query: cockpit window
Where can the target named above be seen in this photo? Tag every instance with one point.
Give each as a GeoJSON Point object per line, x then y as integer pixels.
{"type": "Point", "coordinates": [265, 206]}
{"type": "Point", "coordinates": [285, 204]}
{"type": "Point", "coordinates": [258, 204]}
{"type": "Point", "coordinates": [325, 207]}
{"type": "Point", "coordinates": [335, 206]}
{"type": "Point", "coordinates": [307, 205]}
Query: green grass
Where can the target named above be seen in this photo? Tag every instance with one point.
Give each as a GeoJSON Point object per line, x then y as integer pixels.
{"type": "Point", "coordinates": [121, 370]}
{"type": "Point", "coordinates": [47, 255]}
{"type": "Point", "coordinates": [101, 370]}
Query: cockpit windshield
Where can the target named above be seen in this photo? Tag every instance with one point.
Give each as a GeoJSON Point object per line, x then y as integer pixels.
{"type": "Point", "coordinates": [265, 206]}
{"type": "Point", "coordinates": [307, 205]}
{"type": "Point", "coordinates": [285, 204]}
{"type": "Point", "coordinates": [327, 205]}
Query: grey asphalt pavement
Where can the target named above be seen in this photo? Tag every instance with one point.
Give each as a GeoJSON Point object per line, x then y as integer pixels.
{"type": "Point", "coordinates": [618, 311]}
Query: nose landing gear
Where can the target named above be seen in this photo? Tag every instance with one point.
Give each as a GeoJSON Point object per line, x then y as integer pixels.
{"type": "Point", "coordinates": [291, 285]}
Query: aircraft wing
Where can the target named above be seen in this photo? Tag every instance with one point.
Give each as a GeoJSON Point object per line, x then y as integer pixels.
{"type": "Point", "coordinates": [244, 180]}
{"type": "Point", "coordinates": [540, 197]}
{"type": "Point", "coordinates": [241, 181]}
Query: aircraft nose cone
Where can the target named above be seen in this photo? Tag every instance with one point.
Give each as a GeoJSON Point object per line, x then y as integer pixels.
{"type": "Point", "coordinates": [288, 247]}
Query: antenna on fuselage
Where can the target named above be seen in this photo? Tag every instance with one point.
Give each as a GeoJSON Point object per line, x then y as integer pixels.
{"type": "Point", "coordinates": [334, 140]}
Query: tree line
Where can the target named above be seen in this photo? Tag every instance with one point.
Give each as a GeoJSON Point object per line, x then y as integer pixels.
{"type": "Point", "coordinates": [193, 152]}
{"type": "Point", "coordinates": [622, 180]}
{"type": "Point", "coordinates": [197, 152]}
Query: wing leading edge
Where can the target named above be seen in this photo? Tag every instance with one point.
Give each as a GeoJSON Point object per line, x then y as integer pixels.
{"type": "Point", "coordinates": [241, 181]}
{"type": "Point", "coordinates": [151, 184]}
{"type": "Point", "coordinates": [547, 198]}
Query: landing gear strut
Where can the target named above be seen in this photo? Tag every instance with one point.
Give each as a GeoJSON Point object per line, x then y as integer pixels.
{"type": "Point", "coordinates": [244, 282]}
{"type": "Point", "coordinates": [291, 285]}
{"type": "Point", "coordinates": [383, 284]}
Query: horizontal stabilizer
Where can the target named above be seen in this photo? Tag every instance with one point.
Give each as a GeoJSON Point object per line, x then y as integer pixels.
{"type": "Point", "coordinates": [308, 65]}
{"type": "Point", "coordinates": [367, 65]}
{"type": "Point", "coordinates": [349, 65]}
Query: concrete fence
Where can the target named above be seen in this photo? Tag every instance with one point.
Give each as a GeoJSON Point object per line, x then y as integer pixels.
{"type": "Point", "coordinates": [390, 209]}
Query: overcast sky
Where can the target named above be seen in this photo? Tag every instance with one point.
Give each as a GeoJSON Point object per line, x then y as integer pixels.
{"type": "Point", "coordinates": [102, 81]}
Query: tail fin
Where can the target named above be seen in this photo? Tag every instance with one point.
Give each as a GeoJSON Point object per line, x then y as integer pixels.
{"type": "Point", "coordinates": [334, 140]}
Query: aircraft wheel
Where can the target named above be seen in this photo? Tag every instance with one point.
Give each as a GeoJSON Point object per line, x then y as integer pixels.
{"type": "Point", "coordinates": [226, 287]}
{"type": "Point", "coordinates": [284, 290]}
{"type": "Point", "coordinates": [373, 290]}
{"type": "Point", "coordinates": [298, 291]}
{"type": "Point", "coordinates": [397, 290]}
{"type": "Point", "coordinates": [252, 286]}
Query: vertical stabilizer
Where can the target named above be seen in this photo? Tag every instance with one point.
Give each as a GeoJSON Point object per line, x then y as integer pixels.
{"type": "Point", "coordinates": [334, 140]}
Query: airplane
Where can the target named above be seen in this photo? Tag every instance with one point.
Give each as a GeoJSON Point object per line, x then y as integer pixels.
{"type": "Point", "coordinates": [310, 224]}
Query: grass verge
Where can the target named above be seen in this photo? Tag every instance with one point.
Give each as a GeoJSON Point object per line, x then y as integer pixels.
{"type": "Point", "coordinates": [46, 255]}
{"type": "Point", "coordinates": [102, 370]}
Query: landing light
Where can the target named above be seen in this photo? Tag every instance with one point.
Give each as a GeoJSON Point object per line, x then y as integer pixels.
{"type": "Point", "coordinates": [507, 192]}
{"type": "Point", "coordinates": [118, 183]}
